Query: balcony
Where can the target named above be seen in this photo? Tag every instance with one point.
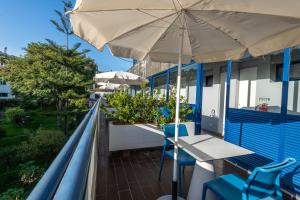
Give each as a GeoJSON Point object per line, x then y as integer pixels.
{"type": "Point", "coordinates": [85, 169]}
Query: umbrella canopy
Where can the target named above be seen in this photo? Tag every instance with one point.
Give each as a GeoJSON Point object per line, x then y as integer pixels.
{"type": "Point", "coordinates": [118, 77]}
{"type": "Point", "coordinates": [214, 30]}
{"type": "Point", "coordinates": [112, 87]}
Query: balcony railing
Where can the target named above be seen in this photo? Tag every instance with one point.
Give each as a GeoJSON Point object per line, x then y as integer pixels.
{"type": "Point", "coordinates": [72, 174]}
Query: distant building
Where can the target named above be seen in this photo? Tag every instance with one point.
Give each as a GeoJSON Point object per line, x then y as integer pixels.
{"type": "Point", "coordinates": [5, 88]}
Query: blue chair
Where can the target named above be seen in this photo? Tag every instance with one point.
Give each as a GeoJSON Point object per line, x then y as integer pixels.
{"type": "Point", "coordinates": [263, 183]}
{"type": "Point", "coordinates": [184, 159]}
{"type": "Point", "coordinates": [165, 112]}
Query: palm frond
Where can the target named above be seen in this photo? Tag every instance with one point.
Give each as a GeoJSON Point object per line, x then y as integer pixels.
{"type": "Point", "coordinates": [51, 42]}
{"type": "Point", "coordinates": [65, 24]}
{"type": "Point", "coordinates": [76, 46]}
{"type": "Point", "coordinates": [57, 25]}
{"type": "Point", "coordinates": [59, 13]}
{"type": "Point", "coordinates": [85, 51]}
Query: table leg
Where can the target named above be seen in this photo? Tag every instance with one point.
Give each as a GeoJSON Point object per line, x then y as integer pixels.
{"type": "Point", "coordinates": [203, 172]}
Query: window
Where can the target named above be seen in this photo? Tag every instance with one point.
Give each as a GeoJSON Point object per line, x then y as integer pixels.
{"type": "Point", "coordinates": [209, 80]}
{"type": "Point", "coordinates": [160, 85]}
{"type": "Point", "coordinates": [3, 94]}
{"type": "Point", "coordinates": [188, 83]}
{"type": "Point", "coordinates": [294, 71]}
{"type": "Point", "coordinates": [2, 82]}
{"type": "Point", "coordinates": [253, 87]}
{"type": "Point", "coordinates": [293, 106]}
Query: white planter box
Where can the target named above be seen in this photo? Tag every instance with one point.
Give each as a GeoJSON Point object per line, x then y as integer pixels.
{"type": "Point", "coordinates": [135, 136]}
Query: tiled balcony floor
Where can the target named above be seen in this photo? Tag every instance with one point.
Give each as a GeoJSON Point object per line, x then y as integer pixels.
{"type": "Point", "coordinates": [133, 174]}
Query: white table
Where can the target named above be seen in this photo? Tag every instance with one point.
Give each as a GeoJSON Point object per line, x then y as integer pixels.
{"type": "Point", "coordinates": [205, 149]}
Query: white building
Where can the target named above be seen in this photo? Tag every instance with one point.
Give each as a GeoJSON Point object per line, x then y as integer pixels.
{"type": "Point", "coordinates": [5, 90]}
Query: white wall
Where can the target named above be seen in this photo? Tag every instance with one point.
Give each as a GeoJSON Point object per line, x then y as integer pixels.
{"type": "Point", "coordinates": [6, 89]}
{"type": "Point", "coordinates": [211, 101]}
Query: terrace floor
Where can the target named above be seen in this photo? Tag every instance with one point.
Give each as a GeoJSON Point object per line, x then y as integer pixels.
{"type": "Point", "coordinates": [133, 175]}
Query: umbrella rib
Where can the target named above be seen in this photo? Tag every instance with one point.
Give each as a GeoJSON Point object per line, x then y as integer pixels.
{"type": "Point", "coordinates": [140, 26]}
{"type": "Point", "coordinates": [241, 12]}
{"type": "Point", "coordinates": [275, 34]}
{"type": "Point", "coordinates": [124, 9]}
{"type": "Point", "coordinates": [188, 33]}
{"type": "Point", "coordinates": [196, 3]}
{"type": "Point", "coordinates": [161, 19]}
{"type": "Point", "coordinates": [218, 29]}
{"type": "Point", "coordinates": [177, 12]}
{"type": "Point", "coordinates": [167, 29]}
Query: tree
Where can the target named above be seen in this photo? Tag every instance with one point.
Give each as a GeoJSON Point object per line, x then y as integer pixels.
{"type": "Point", "coordinates": [40, 75]}
{"type": "Point", "coordinates": [64, 25]}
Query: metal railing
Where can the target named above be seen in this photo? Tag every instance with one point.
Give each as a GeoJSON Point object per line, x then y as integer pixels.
{"type": "Point", "coordinates": [72, 174]}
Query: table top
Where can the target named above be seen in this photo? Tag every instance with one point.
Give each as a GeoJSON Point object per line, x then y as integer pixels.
{"type": "Point", "coordinates": [207, 147]}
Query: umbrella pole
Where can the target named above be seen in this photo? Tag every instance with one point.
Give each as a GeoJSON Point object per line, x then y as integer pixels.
{"type": "Point", "coordinates": [175, 167]}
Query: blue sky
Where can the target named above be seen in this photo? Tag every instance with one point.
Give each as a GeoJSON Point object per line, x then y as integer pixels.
{"type": "Point", "coordinates": [25, 21]}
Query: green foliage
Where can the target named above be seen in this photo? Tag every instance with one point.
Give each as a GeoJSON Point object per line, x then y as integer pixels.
{"type": "Point", "coordinates": [2, 132]}
{"type": "Point", "coordinates": [184, 106]}
{"type": "Point", "coordinates": [15, 114]}
{"type": "Point", "coordinates": [143, 108]}
{"type": "Point", "coordinates": [50, 74]}
{"type": "Point", "coordinates": [41, 74]}
{"type": "Point", "coordinates": [29, 173]}
{"type": "Point", "coordinates": [13, 194]}
{"type": "Point", "coordinates": [4, 103]}
{"type": "Point", "coordinates": [42, 147]}
{"type": "Point", "coordinates": [132, 109]}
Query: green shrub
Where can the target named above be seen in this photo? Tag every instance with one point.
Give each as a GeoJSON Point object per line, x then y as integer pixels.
{"type": "Point", "coordinates": [13, 194]}
{"type": "Point", "coordinates": [144, 108]}
{"type": "Point", "coordinates": [8, 179]}
{"type": "Point", "coordinates": [42, 147]}
{"type": "Point", "coordinates": [15, 115]}
{"type": "Point", "coordinates": [7, 157]}
{"type": "Point", "coordinates": [4, 103]}
{"type": "Point", "coordinates": [30, 173]}
{"type": "Point", "coordinates": [2, 132]}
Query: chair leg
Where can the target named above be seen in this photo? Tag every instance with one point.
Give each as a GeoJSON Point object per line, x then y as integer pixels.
{"type": "Point", "coordinates": [204, 192]}
{"type": "Point", "coordinates": [162, 159]}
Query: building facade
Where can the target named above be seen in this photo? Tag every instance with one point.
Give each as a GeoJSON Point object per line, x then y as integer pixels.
{"type": "Point", "coordinates": [256, 84]}
{"type": "Point", "coordinates": [5, 90]}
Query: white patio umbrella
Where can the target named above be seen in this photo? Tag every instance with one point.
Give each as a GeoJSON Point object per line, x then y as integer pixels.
{"type": "Point", "coordinates": [111, 86]}
{"type": "Point", "coordinates": [180, 30]}
{"type": "Point", "coordinates": [119, 77]}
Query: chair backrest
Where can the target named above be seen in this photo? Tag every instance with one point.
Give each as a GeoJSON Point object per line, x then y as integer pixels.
{"type": "Point", "coordinates": [169, 130]}
{"type": "Point", "coordinates": [265, 181]}
{"type": "Point", "coordinates": [165, 111]}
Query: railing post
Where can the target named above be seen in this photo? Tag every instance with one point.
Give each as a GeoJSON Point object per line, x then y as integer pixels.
{"type": "Point", "coordinates": [285, 80]}
{"type": "Point", "coordinates": [284, 100]}
{"type": "Point", "coordinates": [199, 96]}
{"type": "Point", "coordinates": [229, 65]}
{"type": "Point", "coordinates": [151, 85]}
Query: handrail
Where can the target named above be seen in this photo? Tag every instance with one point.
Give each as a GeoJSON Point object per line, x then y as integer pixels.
{"type": "Point", "coordinates": [76, 151]}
